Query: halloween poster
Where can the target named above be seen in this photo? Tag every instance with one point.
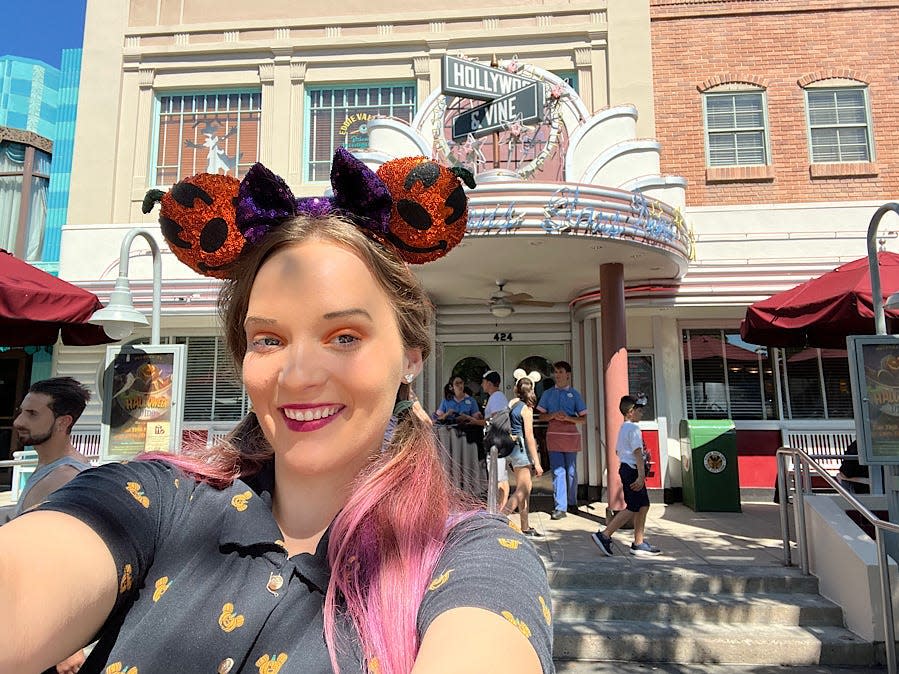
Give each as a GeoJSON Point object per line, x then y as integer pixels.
{"type": "Point", "coordinates": [140, 395]}
{"type": "Point", "coordinates": [877, 363]}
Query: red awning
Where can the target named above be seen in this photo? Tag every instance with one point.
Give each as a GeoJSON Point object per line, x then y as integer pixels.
{"type": "Point", "coordinates": [35, 306]}
{"type": "Point", "coordinates": [824, 310]}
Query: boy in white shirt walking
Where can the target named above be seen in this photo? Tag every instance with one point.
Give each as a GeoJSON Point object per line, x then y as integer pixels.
{"type": "Point", "coordinates": [632, 470]}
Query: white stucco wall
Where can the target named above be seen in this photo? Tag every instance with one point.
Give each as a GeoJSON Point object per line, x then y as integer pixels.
{"type": "Point", "coordinates": [844, 559]}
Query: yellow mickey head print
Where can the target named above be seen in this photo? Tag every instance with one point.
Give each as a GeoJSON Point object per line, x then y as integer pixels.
{"type": "Point", "coordinates": [510, 543]}
{"type": "Point", "coordinates": [137, 491]}
{"type": "Point", "coordinates": [177, 483]}
{"type": "Point", "coordinates": [228, 620]}
{"type": "Point", "coordinates": [270, 664]}
{"type": "Point", "coordinates": [161, 586]}
{"type": "Point", "coordinates": [547, 614]}
{"type": "Point", "coordinates": [440, 580]}
{"type": "Point", "coordinates": [119, 668]}
{"type": "Point", "coordinates": [127, 580]}
{"type": "Point", "coordinates": [520, 624]}
{"type": "Point", "coordinates": [374, 667]}
{"type": "Point", "coordinates": [515, 526]}
{"type": "Point", "coordinates": [239, 501]}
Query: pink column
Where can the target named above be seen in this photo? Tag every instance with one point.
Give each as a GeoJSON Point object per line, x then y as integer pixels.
{"type": "Point", "coordinates": [614, 370]}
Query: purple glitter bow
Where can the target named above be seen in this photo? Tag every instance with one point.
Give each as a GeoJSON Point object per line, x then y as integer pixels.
{"type": "Point", "coordinates": [264, 199]}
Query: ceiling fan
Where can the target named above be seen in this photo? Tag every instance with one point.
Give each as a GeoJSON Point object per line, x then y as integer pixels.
{"type": "Point", "coordinates": [501, 301]}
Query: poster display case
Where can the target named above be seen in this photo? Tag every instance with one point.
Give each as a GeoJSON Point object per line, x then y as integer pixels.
{"type": "Point", "coordinates": [874, 377]}
{"type": "Point", "coordinates": [143, 400]}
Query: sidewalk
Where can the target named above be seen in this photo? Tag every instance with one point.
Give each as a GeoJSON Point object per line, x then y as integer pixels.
{"type": "Point", "coordinates": [751, 537]}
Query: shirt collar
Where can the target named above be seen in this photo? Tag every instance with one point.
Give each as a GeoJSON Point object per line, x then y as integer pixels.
{"type": "Point", "coordinates": [249, 524]}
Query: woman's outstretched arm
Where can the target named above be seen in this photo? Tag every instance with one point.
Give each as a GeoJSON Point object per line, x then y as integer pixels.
{"type": "Point", "coordinates": [58, 583]}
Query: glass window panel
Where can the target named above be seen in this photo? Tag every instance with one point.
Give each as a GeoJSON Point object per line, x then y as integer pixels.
{"type": "Point", "coordinates": [704, 368]}
{"type": "Point", "coordinates": [838, 121]}
{"type": "Point", "coordinates": [641, 379]}
{"type": "Point", "coordinates": [727, 378]}
{"type": "Point", "coordinates": [213, 391]}
{"type": "Point", "coordinates": [735, 126]}
{"type": "Point", "coordinates": [214, 132]}
{"type": "Point", "coordinates": [341, 117]}
{"type": "Point", "coordinates": [802, 383]}
{"type": "Point", "coordinates": [835, 363]}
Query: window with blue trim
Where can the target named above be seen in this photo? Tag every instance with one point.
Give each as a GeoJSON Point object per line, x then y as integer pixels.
{"type": "Point", "coordinates": [339, 116]}
{"type": "Point", "coordinates": [213, 132]}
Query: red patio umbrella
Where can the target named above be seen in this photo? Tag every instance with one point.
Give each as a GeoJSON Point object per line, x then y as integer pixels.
{"type": "Point", "coordinates": [36, 306]}
{"type": "Point", "coordinates": [822, 311]}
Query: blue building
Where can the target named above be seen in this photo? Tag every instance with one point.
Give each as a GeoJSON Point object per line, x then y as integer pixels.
{"type": "Point", "coordinates": [38, 104]}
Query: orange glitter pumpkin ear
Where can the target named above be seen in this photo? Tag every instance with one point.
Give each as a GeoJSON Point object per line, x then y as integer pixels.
{"type": "Point", "coordinates": [197, 219]}
{"type": "Point", "coordinates": [430, 208]}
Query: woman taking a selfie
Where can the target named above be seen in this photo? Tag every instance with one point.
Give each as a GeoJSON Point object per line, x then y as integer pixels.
{"type": "Point", "coordinates": [322, 535]}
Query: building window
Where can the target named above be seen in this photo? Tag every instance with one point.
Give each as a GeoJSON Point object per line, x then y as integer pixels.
{"type": "Point", "coordinates": [24, 181]}
{"type": "Point", "coordinates": [338, 116]}
{"type": "Point", "coordinates": [726, 378]}
{"type": "Point", "coordinates": [211, 133]}
{"type": "Point", "coordinates": [641, 380]}
{"type": "Point", "coordinates": [839, 127]}
{"type": "Point", "coordinates": [213, 391]}
{"type": "Point", "coordinates": [736, 133]}
{"type": "Point", "coordinates": [815, 383]}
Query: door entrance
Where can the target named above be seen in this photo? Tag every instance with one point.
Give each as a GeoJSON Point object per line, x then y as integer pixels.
{"type": "Point", "coordinates": [471, 361]}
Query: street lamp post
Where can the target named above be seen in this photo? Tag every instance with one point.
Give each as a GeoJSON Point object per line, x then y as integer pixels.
{"type": "Point", "coordinates": [890, 473]}
{"type": "Point", "coordinates": [119, 317]}
{"type": "Point", "coordinates": [880, 323]}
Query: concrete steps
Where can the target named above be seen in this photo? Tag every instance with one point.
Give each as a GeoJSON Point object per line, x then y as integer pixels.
{"type": "Point", "coordinates": [652, 611]}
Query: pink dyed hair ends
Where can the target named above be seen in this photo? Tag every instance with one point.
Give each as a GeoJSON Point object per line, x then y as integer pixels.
{"type": "Point", "coordinates": [385, 545]}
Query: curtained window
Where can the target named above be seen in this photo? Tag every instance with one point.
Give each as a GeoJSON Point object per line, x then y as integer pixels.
{"type": "Point", "coordinates": [24, 181]}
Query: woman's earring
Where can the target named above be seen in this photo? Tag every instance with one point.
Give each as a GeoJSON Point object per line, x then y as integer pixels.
{"type": "Point", "coordinates": [409, 378]}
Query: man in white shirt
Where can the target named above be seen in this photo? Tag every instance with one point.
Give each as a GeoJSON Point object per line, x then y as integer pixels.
{"type": "Point", "coordinates": [491, 383]}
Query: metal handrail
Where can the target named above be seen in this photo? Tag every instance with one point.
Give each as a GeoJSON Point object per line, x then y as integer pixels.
{"type": "Point", "coordinates": [18, 462]}
{"type": "Point", "coordinates": [804, 464]}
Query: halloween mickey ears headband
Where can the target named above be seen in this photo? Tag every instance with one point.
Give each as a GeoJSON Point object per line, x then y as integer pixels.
{"type": "Point", "coordinates": [533, 375]}
{"type": "Point", "coordinates": [412, 204]}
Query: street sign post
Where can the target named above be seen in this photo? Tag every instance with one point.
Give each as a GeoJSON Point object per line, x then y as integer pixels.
{"type": "Point", "coordinates": [524, 105]}
{"type": "Point", "coordinates": [468, 79]}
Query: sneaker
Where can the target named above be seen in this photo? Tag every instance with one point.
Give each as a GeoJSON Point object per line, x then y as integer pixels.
{"type": "Point", "coordinates": [573, 509]}
{"type": "Point", "coordinates": [558, 514]}
{"type": "Point", "coordinates": [645, 550]}
{"type": "Point", "coordinates": [532, 533]}
{"type": "Point", "coordinates": [604, 543]}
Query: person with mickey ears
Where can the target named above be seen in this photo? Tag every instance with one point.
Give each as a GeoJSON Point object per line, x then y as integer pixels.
{"type": "Point", "coordinates": [632, 471]}
{"type": "Point", "coordinates": [524, 457]}
{"type": "Point", "coordinates": [323, 534]}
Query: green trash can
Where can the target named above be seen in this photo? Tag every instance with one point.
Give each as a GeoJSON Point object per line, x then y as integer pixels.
{"type": "Point", "coordinates": [709, 465]}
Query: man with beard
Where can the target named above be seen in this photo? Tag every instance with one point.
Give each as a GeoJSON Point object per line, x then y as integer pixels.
{"type": "Point", "coordinates": [44, 422]}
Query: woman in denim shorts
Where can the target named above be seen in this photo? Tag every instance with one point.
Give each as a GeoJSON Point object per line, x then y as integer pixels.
{"type": "Point", "coordinates": [525, 453]}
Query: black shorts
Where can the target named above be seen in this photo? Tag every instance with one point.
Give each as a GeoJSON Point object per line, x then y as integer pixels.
{"type": "Point", "coordinates": [635, 500]}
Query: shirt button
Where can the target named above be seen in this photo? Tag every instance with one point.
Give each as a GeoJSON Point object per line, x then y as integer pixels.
{"type": "Point", "coordinates": [225, 666]}
{"type": "Point", "coordinates": [275, 583]}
